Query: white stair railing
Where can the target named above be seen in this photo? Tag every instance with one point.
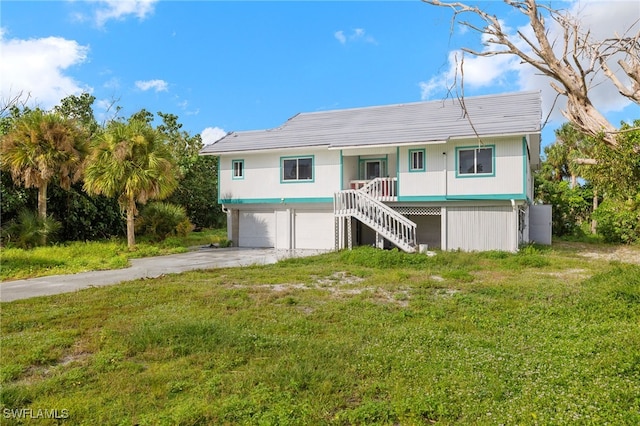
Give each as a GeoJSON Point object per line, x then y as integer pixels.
{"type": "Point", "coordinates": [378, 216]}
{"type": "Point", "coordinates": [383, 189]}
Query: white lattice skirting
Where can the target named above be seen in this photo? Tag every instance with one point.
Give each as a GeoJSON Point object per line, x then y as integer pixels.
{"type": "Point", "coordinates": [418, 211]}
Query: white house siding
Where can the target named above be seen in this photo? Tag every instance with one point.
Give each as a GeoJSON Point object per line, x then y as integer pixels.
{"type": "Point", "coordinates": [283, 229]}
{"type": "Point", "coordinates": [262, 177]}
{"type": "Point", "coordinates": [429, 183]}
{"type": "Point", "coordinates": [482, 228]}
{"type": "Point", "coordinates": [349, 170]}
{"type": "Point", "coordinates": [508, 169]}
{"type": "Point", "coordinates": [508, 179]}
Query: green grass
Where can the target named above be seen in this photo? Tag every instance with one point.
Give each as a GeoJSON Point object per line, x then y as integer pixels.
{"type": "Point", "coordinates": [86, 256]}
{"type": "Point", "coordinates": [355, 337]}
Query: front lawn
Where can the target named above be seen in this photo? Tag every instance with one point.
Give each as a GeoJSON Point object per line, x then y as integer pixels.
{"type": "Point", "coordinates": [355, 337]}
{"type": "Point", "coordinates": [73, 257]}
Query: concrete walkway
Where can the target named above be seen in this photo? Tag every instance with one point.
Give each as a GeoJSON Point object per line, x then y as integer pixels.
{"type": "Point", "coordinates": [149, 267]}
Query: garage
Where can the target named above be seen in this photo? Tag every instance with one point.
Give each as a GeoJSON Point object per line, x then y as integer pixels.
{"type": "Point", "coordinates": [314, 230]}
{"type": "Point", "coordinates": [257, 229]}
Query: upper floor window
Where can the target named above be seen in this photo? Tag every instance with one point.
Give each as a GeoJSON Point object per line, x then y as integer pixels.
{"type": "Point", "coordinates": [475, 161]}
{"type": "Point", "coordinates": [416, 160]}
{"type": "Point", "coordinates": [296, 169]}
{"type": "Point", "coordinates": [238, 169]}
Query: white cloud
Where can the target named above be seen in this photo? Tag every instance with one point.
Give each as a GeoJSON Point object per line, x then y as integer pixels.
{"type": "Point", "coordinates": [479, 72]}
{"type": "Point", "coordinates": [356, 35]}
{"type": "Point", "coordinates": [157, 85]}
{"type": "Point", "coordinates": [38, 68]}
{"type": "Point", "coordinates": [211, 135]}
{"type": "Point", "coordinates": [112, 83]}
{"type": "Point", "coordinates": [120, 9]}
{"type": "Point", "coordinates": [183, 104]}
{"type": "Point", "coordinates": [507, 72]}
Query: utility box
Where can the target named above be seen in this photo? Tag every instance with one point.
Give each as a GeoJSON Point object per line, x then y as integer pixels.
{"type": "Point", "coordinates": [540, 224]}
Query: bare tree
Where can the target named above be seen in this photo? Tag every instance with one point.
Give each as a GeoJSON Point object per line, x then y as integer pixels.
{"type": "Point", "coordinates": [629, 47]}
{"type": "Point", "coordinates": [13, 101]}
{"type": "Point", "coordinates": [571, 67]}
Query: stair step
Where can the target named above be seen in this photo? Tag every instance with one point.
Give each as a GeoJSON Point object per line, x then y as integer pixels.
{"type": "Point", "coordinates": [376, 215]}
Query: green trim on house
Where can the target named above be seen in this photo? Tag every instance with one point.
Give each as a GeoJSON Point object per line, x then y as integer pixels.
{"type": "Point", "coordinates": [218, 163]}
{"type": "Point", "coordinates": [341, 172]}
{"type": "Point", "coordinates": [233, 169]}
{"type": "Point", "coordinates": [473, 197]}
{"type": "Point", "coordinates": [525, 170]}
{"type": "Point", "coordinates": [284, 200]}
{"type": "Point", "coordinates": [475, 175]}
{"type": "Point", "coordinates": [362, 170]}
{"type": "Point", "coordinates": [398, 186]}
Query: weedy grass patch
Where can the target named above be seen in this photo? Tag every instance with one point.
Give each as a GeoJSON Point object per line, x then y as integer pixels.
{"type": "Point", "coordinates": [353, 337]}
{"type": "Point", "coordinates": [73, 257]}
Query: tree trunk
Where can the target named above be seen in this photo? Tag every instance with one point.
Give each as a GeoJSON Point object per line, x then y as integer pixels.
{"type": "Point", "coordinates": [131, 230]}
{"type": "Point", "coordinates": [594, 223]}
{"type": "Point", "coordinates": [42, 201]}
{"type": "Point", "coordinates": [586, 118]}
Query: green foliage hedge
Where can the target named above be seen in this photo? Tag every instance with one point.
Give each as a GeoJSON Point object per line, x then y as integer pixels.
{"type": "Point", "coordinates": [619, 221]}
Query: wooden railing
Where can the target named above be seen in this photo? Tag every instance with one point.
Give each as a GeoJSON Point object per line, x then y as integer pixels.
{"type": "Point", "coordinates": [390, 224]}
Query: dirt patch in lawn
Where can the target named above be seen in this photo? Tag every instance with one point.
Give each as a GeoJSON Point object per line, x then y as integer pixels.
{"type": "Point", "coordinates": [619, 253]}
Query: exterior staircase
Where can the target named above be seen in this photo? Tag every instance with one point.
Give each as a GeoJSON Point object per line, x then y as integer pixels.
{"type": "Point", "coordinates": [386, 222]}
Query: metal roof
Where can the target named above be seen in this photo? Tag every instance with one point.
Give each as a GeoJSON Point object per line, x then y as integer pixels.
{"type": "Point", "coordinates": [419, 122]}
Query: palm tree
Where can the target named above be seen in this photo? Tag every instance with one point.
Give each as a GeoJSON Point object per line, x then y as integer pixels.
{"type": "Point", "coordinates": [41, 147]}
{"type": "Point", "coordinates": [130, 161]}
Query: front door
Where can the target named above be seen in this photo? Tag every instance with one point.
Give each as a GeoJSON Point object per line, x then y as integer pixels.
{"type": "Point", "coordinates": [374, 169]}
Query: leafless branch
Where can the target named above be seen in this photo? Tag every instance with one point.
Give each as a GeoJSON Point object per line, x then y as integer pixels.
{"type": "Point", "coordinates": [11, 101]}
{"type": "Point", "coordinates": [572, 71]}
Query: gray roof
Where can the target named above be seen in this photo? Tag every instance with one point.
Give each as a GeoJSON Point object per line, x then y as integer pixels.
{"type": "Point", "coordinates": [420, 122]}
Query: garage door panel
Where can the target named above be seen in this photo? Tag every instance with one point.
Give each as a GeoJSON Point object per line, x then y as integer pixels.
{"type": "Point", "coordinates": [314, 230]}
{"type": "Point", "coordinates": [257, 229]}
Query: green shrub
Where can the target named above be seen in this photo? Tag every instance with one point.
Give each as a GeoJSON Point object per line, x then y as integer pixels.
{"type": "Point", "coordinates": [160, 220]}
{"type": "Point", "coordinates": [184, 228]}
{"type": "Point", "coordinates": [224, 243]}
{"type": "Point", "coordinates": [373, 257]}
{"type": "Point", "coordinates": [619, 221]}
{"type": "Point", "coordinates": [29, 230]}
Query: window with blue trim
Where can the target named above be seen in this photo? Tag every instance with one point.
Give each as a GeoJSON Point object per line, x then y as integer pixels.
{"type": "Point", "coordinates": [237, 166]}
{"type": "Point", "coordinates": [475, 161]}
{"type": "Point", "coordinates": [416, 160]}
{"type": "Point", "coordinates": [297, 169]}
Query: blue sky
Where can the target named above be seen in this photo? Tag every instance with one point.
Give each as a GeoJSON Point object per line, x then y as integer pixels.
{"type": "Point", "coordinates": [232, 66]}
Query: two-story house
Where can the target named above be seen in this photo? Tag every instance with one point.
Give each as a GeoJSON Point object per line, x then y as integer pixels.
{"type": "Point", "coordinates": [449, 174]}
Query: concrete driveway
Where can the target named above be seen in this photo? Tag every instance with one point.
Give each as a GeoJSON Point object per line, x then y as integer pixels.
{"type": "Point", "coordinates": [149, 267]}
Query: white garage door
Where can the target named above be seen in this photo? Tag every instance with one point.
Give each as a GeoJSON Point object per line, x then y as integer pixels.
{"type": "Point", "coordinates": [314, 230]}
{"type": "Point", "coordinates": [257, 229]}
